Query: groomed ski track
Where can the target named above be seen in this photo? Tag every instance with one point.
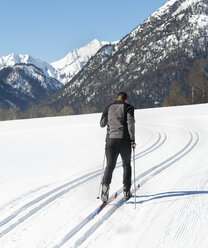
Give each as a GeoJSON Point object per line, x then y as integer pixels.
{"type": "Point", "coordinates": [58, 192]}
{"type": "Point", "coordinates": [149, 173]}
{"type": "Point", "coordinates": [165, 148]}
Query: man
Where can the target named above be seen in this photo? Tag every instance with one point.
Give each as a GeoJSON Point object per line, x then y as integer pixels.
{"type": "Point", "coordinates": [119, 118]}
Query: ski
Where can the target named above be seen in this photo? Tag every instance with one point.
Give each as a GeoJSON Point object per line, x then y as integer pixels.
{"type": "Point", "coordinates": [103, 205]}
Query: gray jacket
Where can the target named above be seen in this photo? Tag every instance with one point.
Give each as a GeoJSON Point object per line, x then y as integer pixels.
{"type": "Point", "coordinates": [119, 118]}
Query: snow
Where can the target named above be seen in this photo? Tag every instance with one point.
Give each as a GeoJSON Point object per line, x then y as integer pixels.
{"type": "Point", "coordinates": [17, 81]}
{"type": "Point", "coordinates": [199, 20]}
{"type": "Point", "coordinates": [50, 174]}
{"type": "Point", "coordinates": [191, 36]}
{"type": "Point", "coordinates": [108, 51]}
{"type": "Point", "coordinates": [10, 103]}
{"type": "Point", "coordinates": [184, 4]}
{"type": "Point", "coordinates": [164, 8]}
{"type": "Point", "coordinates": [75, 60]}
{"type": "Point", "coordinates": [129, 56]}
{"type": "Point", "coordinates": [14, 59]}
{"type": "Point", "coordinates": [63, 70]}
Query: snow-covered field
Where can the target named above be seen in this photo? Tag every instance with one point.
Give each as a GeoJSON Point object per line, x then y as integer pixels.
{"type": "Point", "coordinates": [51, 170]}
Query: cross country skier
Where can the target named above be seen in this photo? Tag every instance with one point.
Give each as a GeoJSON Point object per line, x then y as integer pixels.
{"type": "Point", "coordinates": [119, 118]}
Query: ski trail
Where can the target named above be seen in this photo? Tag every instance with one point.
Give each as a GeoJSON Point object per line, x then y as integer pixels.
{"type": "Point", "coordinates": [25, 195]}
{"type": "Point", "coordinates": [39, 198]}
{"type": "Point", "coordinates": [160, 141]}
{"type": "Point", "coordinates": [182, 153]}
{"type": "Point", "coordinates": [174, 158]}
{"type": "Point", "coordinates": [38, 208]}
{"type": "Point", "coordinates": [89, 175]}
{"type": "Point", "coordinates": [42, 197]}
{"type": "Point", "coordinates": [167, 163]}
{"type": "Point", "coordinates": [81, 180]}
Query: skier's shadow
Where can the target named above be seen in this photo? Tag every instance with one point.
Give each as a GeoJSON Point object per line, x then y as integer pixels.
{"type": "Point", "coordinates": [165, 195]}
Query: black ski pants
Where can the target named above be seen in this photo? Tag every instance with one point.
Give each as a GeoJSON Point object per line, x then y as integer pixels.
{"type": "Point", "coordinates": [113, 148]}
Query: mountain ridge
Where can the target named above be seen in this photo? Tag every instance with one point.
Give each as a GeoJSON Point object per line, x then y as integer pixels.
{"type": "Point", "coordinates": [33, 79]}
{"type": "Point", "coordinates": [146, 61]}
{"type": "Point", "coordinates": [76, 59]}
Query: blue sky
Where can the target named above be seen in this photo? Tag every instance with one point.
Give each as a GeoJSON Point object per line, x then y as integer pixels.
{"type": "Point", "coordinates": [49, 29]}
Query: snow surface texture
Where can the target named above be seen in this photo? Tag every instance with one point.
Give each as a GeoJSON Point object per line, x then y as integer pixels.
{"type": "Point", "coordinates": [50, 174]}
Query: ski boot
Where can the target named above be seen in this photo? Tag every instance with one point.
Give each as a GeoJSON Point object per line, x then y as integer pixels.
{"type": "Point", "coordinates": [105, 193]}
{"type": "Point", "coordinates": [127, 193]}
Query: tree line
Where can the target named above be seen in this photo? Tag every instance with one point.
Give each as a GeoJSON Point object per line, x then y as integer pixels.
{"type": "Point", "coordinates": [192, 90]}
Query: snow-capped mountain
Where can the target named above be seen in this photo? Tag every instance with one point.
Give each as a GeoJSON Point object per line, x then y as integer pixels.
{"type": "Point", "coordinates": [15, 59]}
{"type": "Point", "coordinates": [26, 81]}
{"type": "Point", "coordinates": [146, 61]}
{"type": "Point", "coordinates": [75, 60]}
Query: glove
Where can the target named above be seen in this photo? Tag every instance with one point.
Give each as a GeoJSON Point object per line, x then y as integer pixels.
{"type": "Point", "coordinates": [133, 144]}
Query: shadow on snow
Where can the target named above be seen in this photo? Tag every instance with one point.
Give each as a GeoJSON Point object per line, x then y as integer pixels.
{"type": "Point", "coordinates": [166, 195]}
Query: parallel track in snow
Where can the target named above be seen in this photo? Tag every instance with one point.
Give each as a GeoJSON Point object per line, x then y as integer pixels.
{"type": "Point", "coordinates": [155, 170]}
{"type": "Point", "coordinates": [29, 209]}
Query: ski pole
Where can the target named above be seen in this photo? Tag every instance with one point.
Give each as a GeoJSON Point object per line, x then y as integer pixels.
{"type": "Point", "coordinates": [98, 197]}
{"type": "Point", "coordinates": [134, 179]}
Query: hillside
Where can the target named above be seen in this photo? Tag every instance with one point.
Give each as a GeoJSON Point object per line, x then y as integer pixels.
{"type": "Point", "coordinates": [75, 60]}
{"type": "Point", "coordinates": [26, 81]}
{"type": "Point", "coordinates": [50, 174]}
{"type": "Point", "coordinates": [145, 63]}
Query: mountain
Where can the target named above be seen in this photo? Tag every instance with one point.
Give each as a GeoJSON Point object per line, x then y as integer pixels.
{"type": "Point", "coordinates": [25, 81]}
{"type": "Point", "coordinates": [145, 62]}
{"type": "Point", "coordinates": [16, 59]}
{"type": "Point", "coordinates": [75, 60]}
